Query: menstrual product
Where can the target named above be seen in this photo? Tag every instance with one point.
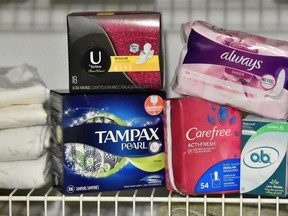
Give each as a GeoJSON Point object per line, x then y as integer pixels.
{"type": "Point", "coordinates": [264, 161]}
{"type": "Point", "coordinates": [245, 71]}
{"type": "Point", "coordinates": [26, 174]}
{"type": "Point", "coordinates": [22, 85]}
{"type": "Point", "coordinates": [203, 141]}
{"type": "Point", "coordinates": [103, 142]}
{"type": "Point", "coordinates": [25, 115]}
{"type": "Point", "coordinates": [114, 51]}
{"type": "Point", "coordinates": [34, 142]}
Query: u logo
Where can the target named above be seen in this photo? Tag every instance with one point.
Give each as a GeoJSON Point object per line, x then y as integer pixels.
{"type": "Point", "coordinates": [92, 60]}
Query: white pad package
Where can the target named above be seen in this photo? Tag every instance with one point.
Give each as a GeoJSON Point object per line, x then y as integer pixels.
{"type": "Point", "coordinates": [234, 68]}
{"type": "Point", "coordinates": [21, 85]}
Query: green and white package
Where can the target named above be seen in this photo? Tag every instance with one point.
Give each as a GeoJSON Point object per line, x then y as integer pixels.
{"type": "Point", "coordinates": [264, 157]}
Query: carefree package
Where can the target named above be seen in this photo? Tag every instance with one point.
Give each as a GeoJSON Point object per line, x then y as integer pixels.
{"type": "Point", "coordinates": [203, 141]}
{"type": "Point", "coordinates": [103, 142]}
{"type": "Point", "coordinates": [114, 51]}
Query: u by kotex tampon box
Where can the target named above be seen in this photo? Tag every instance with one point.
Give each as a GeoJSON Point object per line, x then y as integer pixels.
{"type": "Point", "coordinates": [203, 142]}
{"type": "Point", "coordinates": [114, 51]}
{"type": "Point", "coordinates": [107, 141]}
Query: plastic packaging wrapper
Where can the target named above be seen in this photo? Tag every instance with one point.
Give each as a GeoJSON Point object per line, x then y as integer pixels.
{"type": "Point", "coordinates": [202, 145]}
{"type": "Point", "coordinates": [246, 71]}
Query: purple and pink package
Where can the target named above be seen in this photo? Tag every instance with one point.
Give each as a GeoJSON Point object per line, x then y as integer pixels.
{"type": "Point", "coordinates": [234, 68]}
{"type": "Point", "coordinates": [202, 146]}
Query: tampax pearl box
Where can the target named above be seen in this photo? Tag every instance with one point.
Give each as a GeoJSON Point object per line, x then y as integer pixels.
{"type": "Point", "coordinates": [203, 143]}
{"type": "Point", "coordinates": [264, 161]}
{"type": "Point", "coordinates": [107, 142]}
{"type": "Point", "coordinates": [114, 51]}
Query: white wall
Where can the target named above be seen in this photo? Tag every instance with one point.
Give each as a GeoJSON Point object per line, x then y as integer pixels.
{"type": "Point", "coordinates": [46, 51]}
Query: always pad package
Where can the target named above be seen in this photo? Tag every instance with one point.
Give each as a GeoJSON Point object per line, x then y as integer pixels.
{"type": "Point", "coordinates": [107, 141]}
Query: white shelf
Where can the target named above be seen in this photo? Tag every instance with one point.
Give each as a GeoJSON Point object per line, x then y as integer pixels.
{"type": "Point", "coordinates": [156, 201]}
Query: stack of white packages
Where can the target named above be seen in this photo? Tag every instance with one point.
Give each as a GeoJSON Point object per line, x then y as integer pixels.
{"type": "Point", "coordinates": [24, 129]}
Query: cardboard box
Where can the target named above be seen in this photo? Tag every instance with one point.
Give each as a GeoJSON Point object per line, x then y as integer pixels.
{"type": "Point", "coordinates": [114, 51]}
{"type": "Point", "coordinates": [105, 142]}
{"type": "Point", "coordinates": [264, 157]}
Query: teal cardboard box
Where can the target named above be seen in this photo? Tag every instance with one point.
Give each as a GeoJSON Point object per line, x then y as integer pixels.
{"type": "Point", "coordinates": [264, 161]}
